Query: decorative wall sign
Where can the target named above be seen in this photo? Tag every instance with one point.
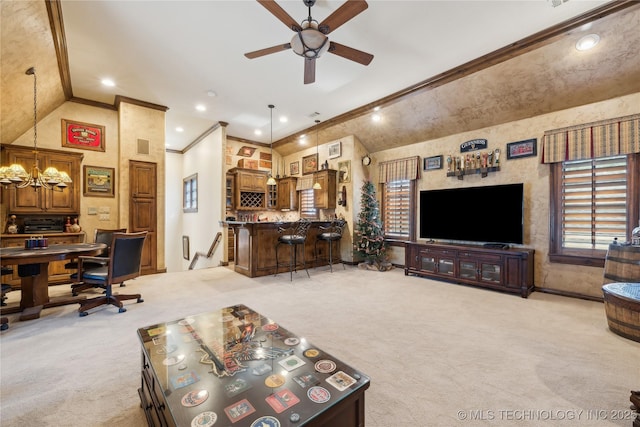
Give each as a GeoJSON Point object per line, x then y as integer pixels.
{"type": "Point", "coordinates": [265, 156]}
{"type": "Point", "coordinates": [473, 145]}
{"type": "Point", "coordinates": [344, 171]}
{"type": "Point", "coordinates": [434, 162]}
{"type": "Point", "coordinates": [82, 135]}
{"type": "Point", "coordinates": [246, 151]}
{"type": "Point", "coordinates": [265, 164]}
{"type": "Point", "coordinates": [335, 150]}
{"type": "Point", "coordinates": [519, 149]}
{"type": "Point", "coordinates": [294, 168]}
{"type": "Point", "coordinates": [99, 181]}
{"type": "Point", "coordinates": [309, 164]}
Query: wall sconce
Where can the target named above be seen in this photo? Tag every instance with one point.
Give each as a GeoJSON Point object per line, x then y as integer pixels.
{"type": "Point", "coordinates": [342, 197]}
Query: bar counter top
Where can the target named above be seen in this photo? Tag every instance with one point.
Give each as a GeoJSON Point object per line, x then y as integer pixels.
{"type": "Point", "coordinates": [255, 246]}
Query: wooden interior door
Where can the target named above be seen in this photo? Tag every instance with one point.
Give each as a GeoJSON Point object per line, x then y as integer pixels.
{"type": "Point", "coordinates": [142, 209]}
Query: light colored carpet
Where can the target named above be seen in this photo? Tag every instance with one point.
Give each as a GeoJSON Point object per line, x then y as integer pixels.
{"type": "Point", "coordinates": [436, 352]}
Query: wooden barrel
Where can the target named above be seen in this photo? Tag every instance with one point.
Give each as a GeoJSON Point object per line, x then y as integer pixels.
{"type": "Point", "coordinates": [622, 264]}
{"type": "Point", "coordinates": [622, 306]}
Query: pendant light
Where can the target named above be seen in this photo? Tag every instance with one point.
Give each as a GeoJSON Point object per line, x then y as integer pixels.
{"type": "Point", "coordinates": [271, 180]}
{"type": "Point", "coordinates": [316, 185]}
{"type": "Point", "coordinates": [17, 176]}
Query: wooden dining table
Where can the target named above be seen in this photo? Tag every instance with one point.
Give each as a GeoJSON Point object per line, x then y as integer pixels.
{"type": "Point", "coordinates": [33, 269]}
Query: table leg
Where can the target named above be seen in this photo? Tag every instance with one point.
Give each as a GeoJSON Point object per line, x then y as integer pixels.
{"type": "Point", "coordinates": [35, 291]}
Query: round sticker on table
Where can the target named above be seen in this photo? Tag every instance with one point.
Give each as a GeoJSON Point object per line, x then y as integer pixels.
{"type": "Point", "coordinates": [318, 394]}
{"type": "Point", "coordinates": [312, 352]}
{"type": "Point", "coordinates": [325, 366]}
{"type": "Point", "coordinates": [270, 327]}
{"type": "Point", "coordinates": [266, 421]}
{"type": "Point", "coordinates": [194, 398]}
{"type": "Point", "coordinates": [173, 360]}
{"type": "Point", "coordinates": [292, 341]}
{"type": "Point", "coordinates": [205, 419]}
{"type": "Point", "coordinates": [275, 380]}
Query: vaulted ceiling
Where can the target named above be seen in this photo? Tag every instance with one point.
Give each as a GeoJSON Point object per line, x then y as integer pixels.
{"type": "Point", "coordinates": [439, 67]}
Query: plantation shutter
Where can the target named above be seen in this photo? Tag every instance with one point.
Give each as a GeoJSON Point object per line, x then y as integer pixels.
{"type": "Point", "coordinates": [397, 205]}
{"type": "Point", "coordinates": [307, 203]}
{"type": "Point", "coordinates": [594, 202]}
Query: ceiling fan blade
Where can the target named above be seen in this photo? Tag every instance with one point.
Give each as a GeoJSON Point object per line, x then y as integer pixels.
{"type": "Point", "coordinates": [267, 51]}
{"type": "Point", "coordinates": [350, 53]}
{"type": "Point", "coordinates": [309, 70]}
{"type": "Point", "coordinates": [280, 13]}
{"type": "Point", "coordinates": [348, 10]}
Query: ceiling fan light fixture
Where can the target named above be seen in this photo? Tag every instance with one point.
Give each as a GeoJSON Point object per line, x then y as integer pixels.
{"type": "Point", "coordinates": [310, 43]}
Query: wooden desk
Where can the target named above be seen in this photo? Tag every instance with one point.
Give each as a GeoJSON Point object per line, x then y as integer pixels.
{"type": "Point", "coordinates": [33, 266]}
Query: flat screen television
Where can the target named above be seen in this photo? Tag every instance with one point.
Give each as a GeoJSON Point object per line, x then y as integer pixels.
{"type": "Point", "coordinates": [490, 214]}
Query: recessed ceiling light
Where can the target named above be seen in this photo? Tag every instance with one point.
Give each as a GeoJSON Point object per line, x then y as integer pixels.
{"type": "Point", "coordinates": [376, 117]}
{"type": "Point", "coordinates": [179, 129]}
{"type": "Point", "coordinates": [201, 107]}
{"type": "Point", "coordinates": [587, 42]}
{"type": "Point", "coordinates": [376, 108]}
{"type": "Point", "coordinates": [284, 119]}
{"type": "Point", "coordinates": [258, 132]}
{"type": "Point", "coordinates": [108, 82]}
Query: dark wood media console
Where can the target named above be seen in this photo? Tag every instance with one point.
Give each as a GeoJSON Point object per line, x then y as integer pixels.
{"type": "Point", "coordinates": [507, 270]}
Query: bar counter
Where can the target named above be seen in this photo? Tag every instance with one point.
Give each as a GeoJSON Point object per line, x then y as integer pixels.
{"type": "Point", "coordinates": [255, 247]}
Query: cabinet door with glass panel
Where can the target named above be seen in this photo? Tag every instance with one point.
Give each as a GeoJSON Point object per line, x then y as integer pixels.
{"type": "Point", "coordinates": [439, 261]}
{"type": "Point", "coordinates": [478, 266]}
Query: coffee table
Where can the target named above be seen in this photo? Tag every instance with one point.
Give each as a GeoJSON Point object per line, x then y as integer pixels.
{"type": "Point", "coordinates": [236, 367]}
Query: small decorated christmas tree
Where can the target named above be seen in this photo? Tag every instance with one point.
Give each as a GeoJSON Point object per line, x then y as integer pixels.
{"type": "Point", "coordinates": [369, 240]}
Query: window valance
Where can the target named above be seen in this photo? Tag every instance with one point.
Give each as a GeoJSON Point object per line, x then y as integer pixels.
{"type": "Point", "coordinates": [395, 170]}
{"type": "Point", "coordinates": [592, 140]}
{"type": "Point", "coordinates": [304, 183]}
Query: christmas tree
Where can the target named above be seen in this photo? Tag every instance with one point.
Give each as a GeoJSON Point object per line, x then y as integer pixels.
{"type": "Point", "coordinates": [369, 240]}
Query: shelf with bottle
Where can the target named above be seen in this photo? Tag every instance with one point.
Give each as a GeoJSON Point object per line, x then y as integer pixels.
{"type": "Point", "coordinates": [473, 163]}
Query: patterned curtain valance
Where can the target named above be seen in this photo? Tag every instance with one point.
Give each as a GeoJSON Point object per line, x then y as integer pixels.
{"type": "Point", "coordinates": [592, 140]}
{"type": "Point", "coordinates": [304, 183]}
{"type": "Point", "coordinates": [395, 170]}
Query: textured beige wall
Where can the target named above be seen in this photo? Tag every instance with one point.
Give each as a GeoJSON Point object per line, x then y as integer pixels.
{"type": "Point", "coordinates": [50, 136]}
{"type": "Point", "coordinates": [138, 122]}
{"type": "Point", "coordinates": [534, 175]}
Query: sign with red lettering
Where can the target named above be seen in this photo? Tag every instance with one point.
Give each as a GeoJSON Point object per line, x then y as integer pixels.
{"type": "Point", "coordinates": [82, 135]}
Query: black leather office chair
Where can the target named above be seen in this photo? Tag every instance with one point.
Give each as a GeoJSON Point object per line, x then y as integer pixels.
{"type": "Point", "coordinates": [293, 236]}
{"type": "Point", "coordinates": [123, 264]}
{"type": "Point", "coordinates": [101, 235]}
{"type": "Point", "coordinates": [330, 234]}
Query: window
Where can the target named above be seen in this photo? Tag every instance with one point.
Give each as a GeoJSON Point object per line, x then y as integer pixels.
{"type": "Point", "coordinates": [190, 194]}
{"type": "Point", "coordinates": [307, 204]}
{"type": "Point", "coordinates": [398, 209]}
{"type": "Point", "coordinates": [593, 201]}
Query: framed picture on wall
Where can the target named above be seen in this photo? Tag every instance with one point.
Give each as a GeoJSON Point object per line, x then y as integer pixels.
{"type": "Point", "coordinates": [310, 164]}
{"type": "Point", "coordinates": [98, 181]}
{"type": "Point", "coordinates": [344, 172]}
{"type": "Point", "coordinates": [335, 150]}
{"type": "Point", "coordinates": [82, 135]}
{"type": "Point", "coordinates": [519, 149]}
{"type": "Point", "coordinates": [294, 168]}
{"type": "Point", "coordinates": [434, 162]}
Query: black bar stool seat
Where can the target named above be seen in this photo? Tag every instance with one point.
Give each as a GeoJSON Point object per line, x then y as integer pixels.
{"type": "Point", "coordinates": [330, 234]}
{"type": "Point", "coordinates": [293, 236]}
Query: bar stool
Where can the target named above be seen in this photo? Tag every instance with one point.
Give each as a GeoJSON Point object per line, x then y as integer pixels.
{"type": "Point", "coordinates": [295, 235]}
{"type": "Point", "coordinates": [330, 234]}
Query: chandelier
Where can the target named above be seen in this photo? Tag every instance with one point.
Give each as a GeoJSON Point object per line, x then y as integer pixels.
{"type": "Point", "coordinates": [17, 176]}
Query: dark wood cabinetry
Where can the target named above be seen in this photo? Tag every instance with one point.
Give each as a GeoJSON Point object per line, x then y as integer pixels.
{"type": "Point", "coordinates": [326, 197]}
{"type": "Point", "coordinates": [26, 200]}
{"type": "Point", "coordinates": [508, 270]}
{"type": "Point", "coordinates": [250, 189]}
{"type": "Point", "coordinates": [287, 195]}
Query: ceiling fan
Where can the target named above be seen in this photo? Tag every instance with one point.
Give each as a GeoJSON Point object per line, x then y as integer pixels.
{"type": "Point", "coordinates": [310, 40]}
